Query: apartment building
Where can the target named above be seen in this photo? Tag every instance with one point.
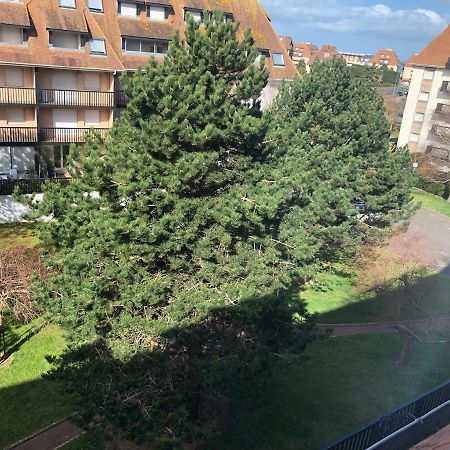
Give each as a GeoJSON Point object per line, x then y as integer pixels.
{"type": "Point", "coordinates": [358, 59]}
{"type": "Point", "coordinates": [386, 57]}
{"type": "Point", "coordinates": [60, 62]}
{"type": "Point", "coordinates": [408, 69]}
{"type": "Point", "coordinates": [309, 53]}
{"type": "Point", "coordinates": [426, 119]}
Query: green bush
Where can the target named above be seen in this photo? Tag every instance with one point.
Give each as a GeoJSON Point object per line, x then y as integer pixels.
{"type": "Point", "coordinates": [433, 187]}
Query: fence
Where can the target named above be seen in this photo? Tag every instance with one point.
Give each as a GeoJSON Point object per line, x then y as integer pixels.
{"type": "Point", "coordinates": [380, 430]}
{"type": "Point", "coordinates": [28, 186]}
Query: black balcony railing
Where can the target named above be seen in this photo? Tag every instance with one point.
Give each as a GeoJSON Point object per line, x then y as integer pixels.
{"type": "Point", "coordinates": [18, 135]}
{"type": "Point", "coordinates": [28, 186]}
{"type": "Point", "coordinates": [69, 135]}
{"type": "Point", "coordinates": [64, 97]}
{"type": "Point", "coordinates": [121, 99]}
{"type": "Point", "coordinates": [423, 416]}
{"type": "Point", "coordinates": [17, 96]}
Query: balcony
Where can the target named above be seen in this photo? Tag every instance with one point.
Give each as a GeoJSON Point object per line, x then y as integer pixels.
{"type": "Point", "coordinates": [121, 99]}
{"type": "Point", "coordinates": [59, 97]}
{"type": "Point", "coordinates": [17, 96]}
{"type": "Point", "coordinates": [18, 135]}
{"type": "Point", "coordinates": [439, 136]}
{"type": "Point", "coordinates": [69, 135]}
{"type": "Point", "coordinates": [24, 135]}
{"type": "Point", "coordinates": [444, 94]}
{"type": "Point", "coordinates": [442, 117]}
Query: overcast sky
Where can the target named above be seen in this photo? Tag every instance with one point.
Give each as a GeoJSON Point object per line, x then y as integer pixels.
{"type": "Point", "coordinates": [361, 25]}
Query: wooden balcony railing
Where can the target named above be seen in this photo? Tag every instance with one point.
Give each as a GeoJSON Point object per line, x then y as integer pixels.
{"type": "Point", "coordinates": [69, 135]}
{"type": "Point", "coordinates": [25, 135]}
{"type": "Point", "coordinates": [18, 135]}
{"type": "Point", "coordinates": [17, 96]}
{"type": "Point", "coordinates": [60, 97]}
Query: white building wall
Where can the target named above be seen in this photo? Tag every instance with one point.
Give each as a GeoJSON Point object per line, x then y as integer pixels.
{"type": "Point", "coordinates": [410, 108]}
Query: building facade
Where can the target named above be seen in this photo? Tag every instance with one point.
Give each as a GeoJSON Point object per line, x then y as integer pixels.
{"type": "Point", "coordinates": [386, 57]}
{"type": "Point", "coordinates": [426, 119]}
{"type": "Point", "coordinates": [60, 62]}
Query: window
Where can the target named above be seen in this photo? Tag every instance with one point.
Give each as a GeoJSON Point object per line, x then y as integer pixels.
{"type": "Point", "coordinates": [429, 74]}
{"type": "Point", "coordinates": [12, 35]}
{"type": "Point", "coordinates": [67, 3]}
{"type": "Point", "coordinates": [15, 115]}
{"type": "Point", "coordinates": [423, 96]}
{"type": "Point", "coordinates": [97, 46]}
{"type": "Point", "coordinates": [414, 137]}
{"type": "Point", "coordinates": [128, 9]}
{"type": "Point", "coordinates": [95, 5]}
{"type": "Point", "coordinates": [418, 117]}
{"type": "Point", "coordinates": [91, 117]}
{"type": "Point", "coordinates": [145, 45]}
{"type": "Point", "coordinates": [196, 14]}
{"type": "Point", "coordinates": [60, 154]}
{"type": "Point", "coordinates": [157, 12]}
{"type": "Point", "coordinates": [92, 81]}
{"type": "Point", "coordinates": [18, 158]}
{"type": "Point", "coordinates": [14, 77]}
{"type": "Point", "coordinates": [278, 59]}
{"type": "Point", "coordinates": [64, 39]}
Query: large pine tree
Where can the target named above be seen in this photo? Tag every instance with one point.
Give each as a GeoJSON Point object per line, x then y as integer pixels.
{"type": "Point", "coordinates": [160, 258]}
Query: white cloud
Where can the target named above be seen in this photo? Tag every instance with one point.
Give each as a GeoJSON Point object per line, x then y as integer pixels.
{"type": "Point", "coordinates": [377, 19]}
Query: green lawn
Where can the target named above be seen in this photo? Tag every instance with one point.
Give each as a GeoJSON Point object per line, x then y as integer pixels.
{"type": "Point", "coordinates": [21, 234]}
{"type": "Point", "coordinates": [28, 401]}
{"type": "Point", "coordinates": [336, 300]}
{"type": "Point", "coordinates": [432, 202]}
{"type": "Point", "coordinates": [336, 386]}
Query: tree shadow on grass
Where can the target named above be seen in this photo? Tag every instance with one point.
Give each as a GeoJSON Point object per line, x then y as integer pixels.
{"type": "Point", "coordinates": [179, 390]}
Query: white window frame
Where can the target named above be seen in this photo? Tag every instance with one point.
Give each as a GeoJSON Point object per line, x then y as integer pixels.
{"type": "Point", "coordinates": [21, 30]}
{"type": "Point", "coordinates": [196, 14]}
{"type": "Point", "coordinates": [101, 42]}
{"type": "Point", "coordinates": [127, 5]}
{"type": "Point", "coordinates": [141, 40]}
{"type": "Point", "coordinates": [424, 96]}
{"type": "Point", "coordinates": [419, 117]}
{"type": "Point", "coordinates": [428, 74]}
{"type": "Point", "coordinates": [72, 5]}
{"type": "Point", "coordinates": [283, 62]}
{"type": "Point", "coordinates": [159, 8]}
{"type": "Point", "coordinates": [95, 9]}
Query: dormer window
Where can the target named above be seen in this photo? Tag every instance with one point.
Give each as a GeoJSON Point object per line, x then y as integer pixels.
{"type": "Point", "coordinates": [67, 4]}
{"type": "Point", "coordinates": [278, 59]}
{"type": "Point", "coordinates": [97, 46]}
{"type": "Point", "coordinates": [128, 9]}
{"type": "Point", "coordinates": [64, 39]}
{"type": "Point", "coordinates": [12, 35]}
{"type": "Point", "coordinates": [157, 12]}
{"type": "Point", "coordinates": [95, 5]}
{"type": "Point", "coordinates": [140, 45]}
{"type": "Point", "coordinates": [196, 14]}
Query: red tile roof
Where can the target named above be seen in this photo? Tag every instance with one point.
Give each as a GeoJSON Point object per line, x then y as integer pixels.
{"type": "Point", "coordinates": [436, 53]}
{"type": "Point", "coordinates": [385, 56]}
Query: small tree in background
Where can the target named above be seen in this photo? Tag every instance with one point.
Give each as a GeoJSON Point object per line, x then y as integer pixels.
{"type": "Point", "coordinates": [330, 141]}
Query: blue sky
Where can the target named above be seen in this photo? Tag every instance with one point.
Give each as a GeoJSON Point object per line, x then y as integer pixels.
{"type": "Point", "coordinates": [361, 25]}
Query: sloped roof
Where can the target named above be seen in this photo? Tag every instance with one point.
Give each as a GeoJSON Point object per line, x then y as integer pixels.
{"type": "Point", "coordinates": [14, 14]}
{"type": "Point", "coordinates": [47, 14]}
{"type": "Point", "coordinates": [385, 55]}
{"type": "Point", "coordinates": [436, 53]}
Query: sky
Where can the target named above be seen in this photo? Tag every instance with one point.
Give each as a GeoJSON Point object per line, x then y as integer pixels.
{"type": "Point", "coordinates": [362, 26]}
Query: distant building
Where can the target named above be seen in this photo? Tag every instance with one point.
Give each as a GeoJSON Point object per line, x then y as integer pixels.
{"type": "Point", "coordinates": [386, 57]}
{"type": "Point", "coordinates": [303, 51]}
{"type": "Point", "coordinates": [359, 59]}
{"type": "Point", "coordinates": [408, 69]}
{"type": "Point", "coordinates": [426, 119]}
{"type": "Point", "coordinates": [288, 44]}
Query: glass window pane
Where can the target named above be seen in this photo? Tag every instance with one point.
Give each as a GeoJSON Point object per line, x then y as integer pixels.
{"type": "Point", "coordinates": [67, 3]}
{"type": "Point", "coordinates": [278, 59]}
{"type": "Point", "coordinates": [128, 9]}
{"type": "Point", "coordinates": [147, 47]}
{"type": "Point", "coordinates": [98, 46]}
{"type": "Point", "coordinates": [157, 12]}
{"type": "Point", "coordinates": [11, 35]}
{"type": "Point", "coordinates": [96, 5]}
{"type": "Point", "coordinates": [132, 45]}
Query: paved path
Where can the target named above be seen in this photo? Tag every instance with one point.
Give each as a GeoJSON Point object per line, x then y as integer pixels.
{"type": "Point", "coordinates": [413, 326]}
{"type": "Point", "coordinates": [50, 438]}
{"type": "Point", "coordinates": [432, 233]}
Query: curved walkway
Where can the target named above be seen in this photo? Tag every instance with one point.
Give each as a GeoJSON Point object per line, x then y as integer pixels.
{"type": "Point", "coordinates": [354, 329]}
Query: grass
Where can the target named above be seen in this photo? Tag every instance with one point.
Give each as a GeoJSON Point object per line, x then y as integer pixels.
{"type": "Point", "coordinates": [336, 386]}
{"type": "Point", "coordinates": [29, 401]}
{"type": "Point", "coordinates": [335, 299]}
{"type": "Point", "coordinates": [18, 234]}
{"type": "Point", "coordinates": [432, 202]}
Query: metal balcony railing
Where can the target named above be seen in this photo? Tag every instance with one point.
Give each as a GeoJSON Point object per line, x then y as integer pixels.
{"type": "Point", "coordinates": [69, 135]}
{"type": "Point", "coordinates": [17, 96]}
{"type": "Point", "coordinates": [121, 99]}
{"type": "Point", "coordinates": [64, 97]}
{"type": "Point", "coordinates": [18, 135]}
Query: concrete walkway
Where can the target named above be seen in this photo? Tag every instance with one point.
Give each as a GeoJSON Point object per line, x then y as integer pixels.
{"type": "Point", "coordinates": [50, 438]}
{"type": "Point", "coordinates": [413, 326]}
